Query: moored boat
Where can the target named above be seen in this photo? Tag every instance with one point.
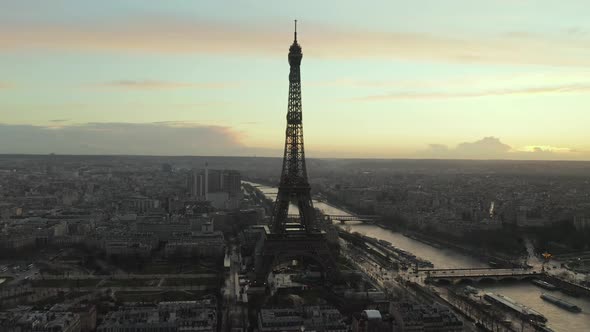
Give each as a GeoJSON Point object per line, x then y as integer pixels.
{"type": "Point", "coordinates": [561, 303]}
{"type": "Point", "coordinates": [544, 328]}
{"type": "Point", "coordinates": [544, 284]}
{"type": "Point", "coordinates": [471, 290]}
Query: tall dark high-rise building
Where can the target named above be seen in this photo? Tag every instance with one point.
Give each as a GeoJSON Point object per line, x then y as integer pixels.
{"type": "Point", "coordinates": [214, 180]}
{"type": "Point", "coordinates": [202, 182]}
{"type": "Point", "coordinates": [231, 181]}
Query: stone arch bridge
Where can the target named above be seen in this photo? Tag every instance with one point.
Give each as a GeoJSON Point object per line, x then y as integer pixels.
{"type": "Point", "coordinates": [478, 274]}
{"type": "Point", "coordinates": [343, 218]}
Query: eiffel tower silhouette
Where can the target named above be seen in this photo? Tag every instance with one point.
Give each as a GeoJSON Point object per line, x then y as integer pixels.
{"type": "Point", "coordinates": [287, 238]}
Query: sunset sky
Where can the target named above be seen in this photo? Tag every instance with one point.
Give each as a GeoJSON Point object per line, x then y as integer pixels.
{"type": "Point", "coordinates": [505, 79]}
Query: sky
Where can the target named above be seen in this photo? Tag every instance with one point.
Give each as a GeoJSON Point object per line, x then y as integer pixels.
{"type": "Point", "coordinates": [474, 79]}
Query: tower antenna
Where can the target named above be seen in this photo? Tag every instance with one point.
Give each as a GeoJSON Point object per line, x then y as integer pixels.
{"type": "Point", "coordinates": [295, 30]}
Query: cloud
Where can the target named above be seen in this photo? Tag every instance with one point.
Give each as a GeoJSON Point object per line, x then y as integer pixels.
{"type": "Point", "coordinates": [485, 146]}
{"type": "Point", "coordinates": [554, 89]}
{"type": "Point", "coordinates": [545, 148]}
{"type": "Point", "coordinates": [156, 85]}
{"type": "Point", "coordinates": [59, 120]}
{"type": "Point", "coordinates": [177, 138]}
{"type": "Point", "coordinates": [493, 148]}
{"type": "Point", "coordinates": [438, 148]}
{"type": "Point", "coordinates": [183, 35]}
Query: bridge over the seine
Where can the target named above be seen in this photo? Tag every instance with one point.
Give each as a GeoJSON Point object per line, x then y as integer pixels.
{"type": "Point", "coordinates": [343, 218]}
{"type": "Point", "coordinates": [478, 274]}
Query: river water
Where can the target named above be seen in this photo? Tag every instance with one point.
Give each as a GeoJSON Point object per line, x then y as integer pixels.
{"type": "Point", "coordinates": [523, 292]}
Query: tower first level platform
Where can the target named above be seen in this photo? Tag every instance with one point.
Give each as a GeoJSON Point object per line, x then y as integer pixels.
{"type": "Point", "coordinates": [290, 245]}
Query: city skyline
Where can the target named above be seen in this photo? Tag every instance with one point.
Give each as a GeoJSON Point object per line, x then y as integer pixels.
{"type": "Point", "coordinates": [491, 81]}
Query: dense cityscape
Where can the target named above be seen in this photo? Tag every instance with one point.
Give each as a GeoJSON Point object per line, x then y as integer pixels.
{"type": "Point", "coordinates": [115, 243]}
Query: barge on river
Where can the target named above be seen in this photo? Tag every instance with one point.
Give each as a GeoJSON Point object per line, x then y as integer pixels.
{"type": "Point", "coordinates": [521, 310]}
{"type": "Point", "coordinates": [544, 284]}
{"type": "Point", "coordinates": [561, 303]}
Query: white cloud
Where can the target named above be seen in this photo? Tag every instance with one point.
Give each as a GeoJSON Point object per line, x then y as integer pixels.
{"type": "Point", "coordinates": [493, 148]}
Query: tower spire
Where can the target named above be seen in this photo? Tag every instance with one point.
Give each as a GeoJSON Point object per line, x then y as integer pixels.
{"type": "Point", "coordinates": [295, 30]}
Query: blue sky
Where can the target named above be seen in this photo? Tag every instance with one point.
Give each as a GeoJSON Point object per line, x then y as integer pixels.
{"type": "Point", "coordinates": [393, 79]}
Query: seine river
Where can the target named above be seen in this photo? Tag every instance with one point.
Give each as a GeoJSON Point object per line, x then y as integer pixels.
{"type": "Point", "coordinates": [522, 292]}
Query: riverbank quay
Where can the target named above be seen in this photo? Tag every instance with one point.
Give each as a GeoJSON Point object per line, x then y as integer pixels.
{"type": "Point", "coordinates": [567, 287]}
{"type": "Point", "coordinates": [394, 287]}
{"type": "Point", "coordinates": [375, 254]}
{"type": "Point", "coordinates": [478, 311]}
{"type": "Point", "coordinates": [470, 313]}
{"type": "Point", "coordinates": [259, 197]}
{"type": "Point", "coordinates": [385, 253]}
{"type": "Point", "coordinates": [492, 259]}
{"type": "Point", "coordinates": [474, 312]}
{"type": "Point", "coordinates": [429, 295]}
{"type": "Point", "coordinates": [381, 279]}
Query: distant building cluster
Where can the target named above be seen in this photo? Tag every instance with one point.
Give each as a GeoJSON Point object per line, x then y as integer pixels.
{"type": "Point", "coordinates": [459, 203]}
{"type": "Point", "coordinates": [187, 316]}
{"type": "Point", "coordinates": [197, 315]}
{"type": "Point", "coordinates": [57, 318]}
{"type": "Point", "coordinates": [59, 227]}
{"type": "Point", "coordinates": [140, 236]}
{"type": "Point", "coordinates": [220, 187]}
{"type": "Point", "coordinates": [394, 316]}
{"type": "Point", "coordinates": [407, 316]}
{"type": "Point", "coordinates": [123, 207]}
{"type": "Point", "coordinates": [311, 318]}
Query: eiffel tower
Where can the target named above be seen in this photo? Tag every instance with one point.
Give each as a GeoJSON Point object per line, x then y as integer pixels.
{"type": "Point", "coordinates": [300, 238]}
{"type": "Point", "coordinates": [294, 186]}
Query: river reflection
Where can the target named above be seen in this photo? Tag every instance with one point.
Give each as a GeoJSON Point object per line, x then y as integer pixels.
{"type": "Point", "coordinates": [522, 292]}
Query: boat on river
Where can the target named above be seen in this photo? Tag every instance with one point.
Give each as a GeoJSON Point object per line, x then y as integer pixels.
{"type": "Point", "coordinates": [471, 290]}
{"type": "Point", "coordinates": [544, 328]}
{"type": "Point", "coordinates": [544, 284]}
{"type": "Point", "coordinates": [561, 303]}
{"type": "Point", "coordinates": [385, 243]}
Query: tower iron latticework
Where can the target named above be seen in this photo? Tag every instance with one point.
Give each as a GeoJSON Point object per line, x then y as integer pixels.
{"type": "Point", "coordinates": [287, 239]}
{"type": "Point", "coordinates": [294, 186]}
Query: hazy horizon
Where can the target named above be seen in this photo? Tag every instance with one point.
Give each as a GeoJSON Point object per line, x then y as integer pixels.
{"type": "Point", "coordinates": [15, 155]}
